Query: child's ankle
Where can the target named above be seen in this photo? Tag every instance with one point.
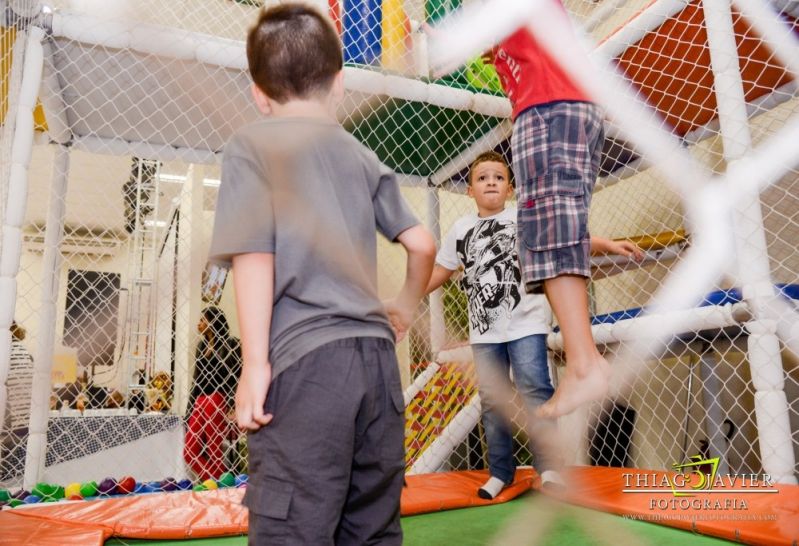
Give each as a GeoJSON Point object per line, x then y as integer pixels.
{"type": "Point", "coordinates": [490, 489]}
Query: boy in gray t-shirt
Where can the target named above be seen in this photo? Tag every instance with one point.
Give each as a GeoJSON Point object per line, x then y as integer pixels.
{"type": "Point", "coordinates": [298, 209]}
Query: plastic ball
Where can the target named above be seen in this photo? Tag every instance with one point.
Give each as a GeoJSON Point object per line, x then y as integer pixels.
{"type": "Point", "coordinates": [126, 485]}
{"type": "Point", "coordinates": [59, 493]}
{"type": "Point", "coordinates": [168, 484]}
{"type": "Point", "coordinates": [199, 487]}
{"type": "Point", "coordinates": [184, 485]}
{"type": "Point", "coordinates": [227, 480]}
{"type": "Point", "coordinates": [88, 489]}
{"type": "Point", "coordinates": [210, 484]}
{"type": "Point", "coordinates": [241, 480]}
{"type": "Point", "coordinates": [5, 495]}
{"type": "Point", "coordinates": [32, 499]}
{"type": "Point", "coordinates": [75, 497]}
{"type": "Point", "coordinates": [43, 490]}
{"type": "Point", "coordinates": [21, 494]}
{"type": "Point", "coordinates": [107, 487]}
{"type": "Point", "coordinates": [151, 487]}
{"type": "Point", "coordinates": [72, 489]}
{"type": "Point", "coordinates": [482, 75]}
{"type": "Point", "coordinates": [13, 503]}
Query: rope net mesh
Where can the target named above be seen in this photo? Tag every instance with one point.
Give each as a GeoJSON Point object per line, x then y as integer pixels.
{"type": "Point", "coordinates": [136, 103]}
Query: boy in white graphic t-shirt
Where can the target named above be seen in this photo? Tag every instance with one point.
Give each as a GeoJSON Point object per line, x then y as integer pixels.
{"type": "Point", "coordinates": [507, 327]}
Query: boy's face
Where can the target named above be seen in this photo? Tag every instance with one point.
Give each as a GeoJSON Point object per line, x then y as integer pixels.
{"type": "Point", "coordinates": [490, 186]}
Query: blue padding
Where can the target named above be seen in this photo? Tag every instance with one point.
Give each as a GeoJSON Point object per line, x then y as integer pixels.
{"type": "Point", "coordinates": [363, 31]}
{"type": "Point", "coordinates": [718, 297]}
{"type": "Point", "coordinates": [616, 316]}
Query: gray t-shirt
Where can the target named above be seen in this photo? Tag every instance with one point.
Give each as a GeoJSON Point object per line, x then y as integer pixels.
{"type": "Point", "coordinates": [309, 192]}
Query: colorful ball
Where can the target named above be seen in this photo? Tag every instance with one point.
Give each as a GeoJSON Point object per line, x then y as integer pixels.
{"type": "Point", "coordinates": [74, 497]}
{"type": "Point", "coordinates": [43, 490]}
{"type": "Point", "coordinates": [21, 494]}
{"type": "Point", "coordinates": [184, 485]}
{"type": "Point", "coordinates": [107, 487]}
{"type": "Point", "coordinates": [88, 489]}
{"type": "Point", "coordinates": [32, 499]}
{"type": "Point", "coordinates": [199, 487]}
{"type": "Point", "coordinates": [227, 480]}
{"type": "Point", "coordinates": [72, 489]}
{"type": "Point", "coordinates": [168, 484]}
{"type": "Point", "coordinates": [59, 492]}
{"type": "Point", "coordinates": [241, 480]}
{"type": "Point", "coordinates": [126, 485]}
{"type": "Point", "coordinates": [13, 503]}
{"type": "Point", "coordinates": [5, 495]}
{"type": "Point", "coordinates": [210, 484]}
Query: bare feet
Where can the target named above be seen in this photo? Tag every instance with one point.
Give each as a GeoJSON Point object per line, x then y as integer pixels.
{"type": "Point", "coordinates": [577, 389]}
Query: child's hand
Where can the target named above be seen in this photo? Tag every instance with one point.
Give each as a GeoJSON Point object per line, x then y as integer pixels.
{"type": "Point", "coordinates": [251, 397]}
{"type": "Point", "coordinates": [626, 248]}
{"type": "Point", "coordinates": [400, 316]}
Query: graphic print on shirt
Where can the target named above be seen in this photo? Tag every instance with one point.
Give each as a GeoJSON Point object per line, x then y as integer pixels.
{"type": "Point", "coordinates": [491, 272]}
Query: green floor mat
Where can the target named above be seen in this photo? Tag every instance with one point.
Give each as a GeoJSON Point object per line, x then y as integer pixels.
{"type": "Point", "coordinates": [477, 526]}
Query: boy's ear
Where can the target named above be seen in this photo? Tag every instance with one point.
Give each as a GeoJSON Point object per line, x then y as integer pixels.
{"type": "Point", "coordinates": [262, 101]}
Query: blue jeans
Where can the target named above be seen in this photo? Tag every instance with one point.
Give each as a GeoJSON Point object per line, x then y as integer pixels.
{"type": "Point", "coordinates": [527, 357]}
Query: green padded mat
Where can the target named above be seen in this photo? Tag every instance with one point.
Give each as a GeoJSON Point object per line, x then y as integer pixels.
{"type": "Point", "coordinates": [477, 526]}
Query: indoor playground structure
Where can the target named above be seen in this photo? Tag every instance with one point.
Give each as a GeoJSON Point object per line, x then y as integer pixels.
{"type": "Point", "coordinates": [113, 118]}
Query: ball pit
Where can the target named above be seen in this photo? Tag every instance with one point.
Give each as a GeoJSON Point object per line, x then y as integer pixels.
{"type": "Point", "coordinates": [127, 485]}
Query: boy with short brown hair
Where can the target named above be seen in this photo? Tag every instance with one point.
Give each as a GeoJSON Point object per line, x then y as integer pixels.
{"type": "Point", "coordinates": [298, 208]}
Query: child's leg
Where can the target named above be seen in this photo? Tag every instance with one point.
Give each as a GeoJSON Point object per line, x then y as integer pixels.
{"type": "Point", "coordinates": [214, 435]}
{"type": "Point", "coordinates": [586, 377]}
{"type": "Point", "coordinates": [192, 446]}
{"type": "Point", "coordinates": [371, 512]}
{"type": "Point", "coordinates": [556, 151]}
{"type": "Point", "coordinates": [530, 365]}
{"type": "Point", "coordinates": [492, 364]}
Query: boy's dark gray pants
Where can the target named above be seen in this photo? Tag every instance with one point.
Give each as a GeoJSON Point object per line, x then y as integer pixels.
{"type": "Point", "coordinates": [329, 467]}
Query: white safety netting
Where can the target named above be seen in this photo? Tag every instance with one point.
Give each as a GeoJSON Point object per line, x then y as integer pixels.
{"type": "Point", "coordinates": [108, 204]}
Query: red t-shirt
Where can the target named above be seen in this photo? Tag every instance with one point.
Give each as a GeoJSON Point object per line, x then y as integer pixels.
{"type": "Point", "coordinates": [529, 76]}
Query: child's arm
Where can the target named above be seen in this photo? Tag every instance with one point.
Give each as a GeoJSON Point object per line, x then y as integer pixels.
{"type": "Point", "coordinates": [421, 251]}
{"type": "Point", "coordinates": [254, 281]}
{"type": "Point", "coordinates": [440, 275]}
{"type": "Point", "coordinates": [600, 245]}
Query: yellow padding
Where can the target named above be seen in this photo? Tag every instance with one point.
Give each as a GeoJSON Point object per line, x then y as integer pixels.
{"type": "Point", "coordinates": [7, 37]}
{"type": "Point", "coordinates": [659, 241]}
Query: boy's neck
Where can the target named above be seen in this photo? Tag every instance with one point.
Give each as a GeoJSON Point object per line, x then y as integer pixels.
{"type": "Point", "coordinates": [483, 212]}
{"type": "Point", "coordinates": [312, 109]}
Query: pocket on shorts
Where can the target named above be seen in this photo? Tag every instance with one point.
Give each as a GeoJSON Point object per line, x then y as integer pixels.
{"type": "Point", "coordinates": [555, 215]}
{"type": "Point", "coordinates": [271, 498]}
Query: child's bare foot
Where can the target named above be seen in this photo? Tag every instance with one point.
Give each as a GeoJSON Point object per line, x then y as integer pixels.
{"type": "Point", "coordinates": [577, 389]}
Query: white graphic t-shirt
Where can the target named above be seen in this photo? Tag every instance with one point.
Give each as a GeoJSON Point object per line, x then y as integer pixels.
{"type": "Point", "coordinates": [499, 309]}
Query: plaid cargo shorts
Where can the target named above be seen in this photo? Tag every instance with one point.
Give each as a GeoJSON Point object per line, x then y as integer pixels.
{"type": "Point", "coordinates": [556, 152]}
